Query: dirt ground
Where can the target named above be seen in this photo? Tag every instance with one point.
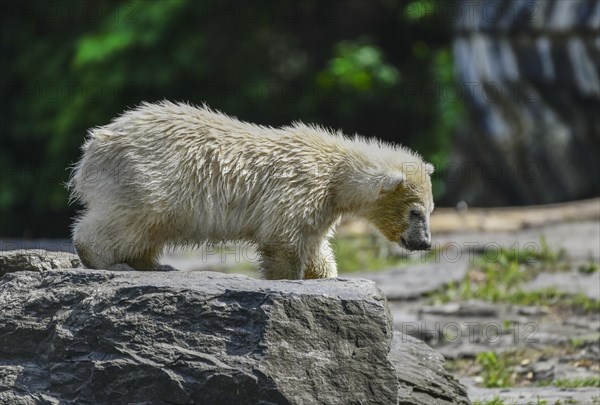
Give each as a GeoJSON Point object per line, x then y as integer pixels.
{"type": "Point", "coordinates": [538, 343]}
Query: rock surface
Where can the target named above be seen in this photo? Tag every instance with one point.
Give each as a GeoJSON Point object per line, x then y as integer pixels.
{"type": "Point", "coordinates": [93, 336]}
{"type": "Point", "coordinates": [36, 260]}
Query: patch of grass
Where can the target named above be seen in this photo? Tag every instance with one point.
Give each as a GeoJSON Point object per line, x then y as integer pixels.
{"type": "Point", "coordinates": [364, 253]}
{"type": "Point", "coordinates": [500, 278]}
{"type": "Point", "coordinates": [572, 382]}
{"type": "Point", "coordinates": [576, 343]}
{"type": "Point", "coordinates": [582, 301]}
{"type": "Point", "coordinates": [503, 371]}
{"type": "Point", "coordinates": [578, 382]}
{"type": "Point", "coordinates": [494, 401]}
{"type": "Point", "coordinates": [531, 254]}
{"type": "Point", "coordinates": [499, 401]}
{"type": "Point", "coordinates": [549, 256]}
{"type": "Point", "coordinates": [491, 279]}
{"type": "Point", "coordinates": [590, 267]}
{"type": "Point", "coordinates": [497, 371]}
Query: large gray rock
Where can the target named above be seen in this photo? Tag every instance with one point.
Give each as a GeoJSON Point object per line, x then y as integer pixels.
{"type": "Point", "coordinates": [101, 337]}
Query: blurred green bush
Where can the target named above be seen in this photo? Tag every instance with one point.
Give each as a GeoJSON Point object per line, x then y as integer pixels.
{"type": "Point", "coordinates": [361, 66]}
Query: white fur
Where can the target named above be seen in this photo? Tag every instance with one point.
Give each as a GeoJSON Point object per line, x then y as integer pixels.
{"type": "Point", "coordinates": [176, 174]}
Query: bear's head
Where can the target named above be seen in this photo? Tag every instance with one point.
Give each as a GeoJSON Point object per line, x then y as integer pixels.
{"type": "Point", "coordinates": [404, 203]}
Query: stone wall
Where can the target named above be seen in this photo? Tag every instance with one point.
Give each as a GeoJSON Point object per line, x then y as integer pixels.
{"type": "Point", "coordinates": [529, 71]}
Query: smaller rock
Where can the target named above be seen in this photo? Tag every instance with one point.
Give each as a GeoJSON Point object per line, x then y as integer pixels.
{"type": "Point", "coordinates": [572, 282]}
{"type": "Point", "coordinates": [451, 308]}
{"type": "Point", "coordinates": [465, 309]}
{"type": "Point", "coordinates": [36, 260]}
{"type": "Point", "coordinates": [538, 371]}
{"type": "Point", "coordinates": [583, 323]}
{"type": "Point", "coordinates": [532, 311]}
{"type": "Point", "coordinates": [421, 374]}
{"type": "Point", "coordinates": [574, 372]}
{"type": "Point", "coordinates": [542, 337]}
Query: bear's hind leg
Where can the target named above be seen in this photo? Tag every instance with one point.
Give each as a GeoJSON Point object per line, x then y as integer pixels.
{"type": "Point", "coordinates": [147, 260]}
{"type": "Point", "coordinates": [101, 243]}
{"type": "Point", "coordinates": [92, 247]}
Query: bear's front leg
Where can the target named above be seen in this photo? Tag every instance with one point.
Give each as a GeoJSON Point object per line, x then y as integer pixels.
{"type": "Point", "coordinates": [287, 262]}
{"type": "Point", "coordinates": [321, 264]}
{"type": "Point", "coordinates": [280, 262]}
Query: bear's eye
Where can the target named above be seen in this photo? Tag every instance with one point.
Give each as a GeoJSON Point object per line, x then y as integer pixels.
{"type": "Point", "coordinates": [414, 213]}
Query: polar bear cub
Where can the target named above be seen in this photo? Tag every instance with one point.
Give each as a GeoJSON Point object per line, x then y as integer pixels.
{"type": "Point", "coordinates": [176, 174]}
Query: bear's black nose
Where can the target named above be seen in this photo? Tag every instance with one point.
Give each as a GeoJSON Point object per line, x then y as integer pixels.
{"type": "Point", "coordinates": [416, 245]}
{"type": "Point", "coordinates": [424, 245]}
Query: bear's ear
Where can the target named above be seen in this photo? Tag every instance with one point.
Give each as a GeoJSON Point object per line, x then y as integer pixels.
{"type": "Point", "coordinates": [429, 168]}
{"type": "Point", "coordinates": [365, 187]}
{"type": "Point", "coordinates": [376, 182]}
{"type": "Point", "coordinates": [389, 181]}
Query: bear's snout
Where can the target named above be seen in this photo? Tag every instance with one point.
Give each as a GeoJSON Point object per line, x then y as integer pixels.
{"type": "Point", "coordinates": [417, 237]}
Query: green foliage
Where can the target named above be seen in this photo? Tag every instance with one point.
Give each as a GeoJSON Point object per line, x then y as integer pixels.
{"type": "Point", "coordinates": [359, 67]}
{"type": "Point", "coordinates": [77, 65]}
{"type": "Point", "coordinates": [417, 10]}
{"type": "Point", "coordinates": [119, 34]}
{"type": "Point", "coordinates": [449, 113]}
